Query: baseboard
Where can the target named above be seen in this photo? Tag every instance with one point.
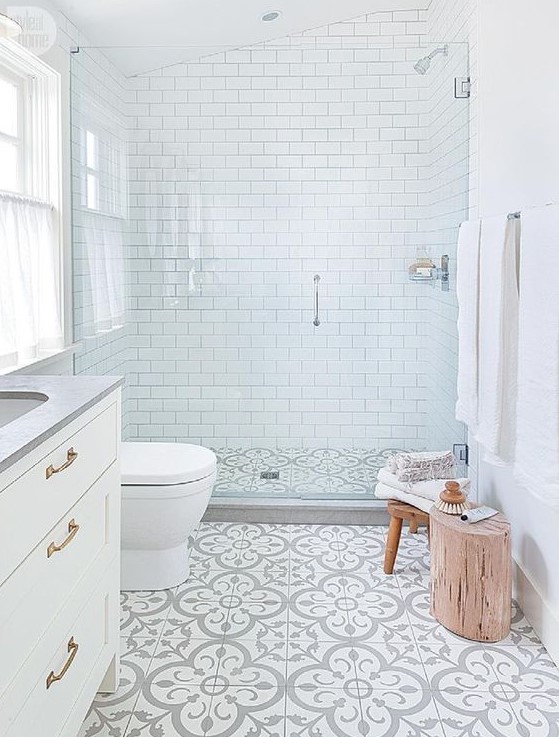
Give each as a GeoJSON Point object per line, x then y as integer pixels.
{"type": "Point", "coordinates": [538, 611]}
{"type": "Point", "coordinates": [297, 512]}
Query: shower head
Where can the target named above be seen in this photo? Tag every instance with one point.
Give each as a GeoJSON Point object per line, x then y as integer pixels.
{"type": "Point", "coordinates": [424, 64]}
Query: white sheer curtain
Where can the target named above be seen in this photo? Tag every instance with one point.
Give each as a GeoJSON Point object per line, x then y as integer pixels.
{"type": "Point", "coordinates": [30, 321]}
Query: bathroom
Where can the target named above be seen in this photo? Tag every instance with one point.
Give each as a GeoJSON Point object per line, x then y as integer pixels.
{"type": "Point", "coordinates": [251, 304]}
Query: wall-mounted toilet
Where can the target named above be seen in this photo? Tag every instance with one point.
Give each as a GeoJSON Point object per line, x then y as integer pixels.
{"type": "Point", "coordinates": [166, 488]}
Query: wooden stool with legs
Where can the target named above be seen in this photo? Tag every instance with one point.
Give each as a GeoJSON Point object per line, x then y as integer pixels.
{"type": "Point", "coordinates": [399, 511]}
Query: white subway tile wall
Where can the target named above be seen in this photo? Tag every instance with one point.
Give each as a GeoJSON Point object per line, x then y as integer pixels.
{"type": "Point", "coordinates": [250, 172]}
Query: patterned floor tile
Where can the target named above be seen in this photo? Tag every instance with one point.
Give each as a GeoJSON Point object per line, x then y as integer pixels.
{"type": "Point", "coordinates": [197, 620]}
{"type": "Point", "coordinates": [323, 712]}
{"type": "Point", "coordinates": [265, 487]}
{"type": "Point", "coordinates": [376, 610]}
{"type": "Point", "coordinates": [309, 483]}
{"type": "Point", "coordinates": [460, 668]}
{"type": "Point", "coordinates": [312, 666]}
{"type": "Point", "coordinates": [263, 545]}
{"type": "Point", "coordinates": [264, 620]}
{"type": "Point", "coordinates": [166, 708]}
{"type": "Point", "coordinates": [388, 667]}
{"type": "Point", "coordinates": [191, 662]}
{"type": "Point", "coordinates": [319, 614]}
{"type": "Point", "coordinates": [207, 585]}
{"type": "Point", "coordinates": [247, 710]}
{"type": "Point", "coordinates": [537, 713]}
{"type": "Point", "coordinates": [315, 548]}
{"type": "Point", "coordinates": [110, 713]}
{"type": "Point", "coordinates": [397, 713]}
{"type": "Point", "coordinates": [526, 669]}
{"type": "Point", "coordinates": [217, 547]}
{"type": "Point", "coordinates": [312, 473]}
{"type": "Point", "coordinates": [477, 714]}
{"type": "Point", "coordinates": [265, 583]}
{"type": "Point", "coordinates": [362, 552]}
{"type": "Point", "coordinates": [295, 631]}
{"type": "Point", "coordinates": [143, 613]}
{"type": "Point", "coordinates": [253, 663]}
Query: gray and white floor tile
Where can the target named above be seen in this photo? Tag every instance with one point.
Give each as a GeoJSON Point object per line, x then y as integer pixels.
{"type": "Point", "coordinates": [295, 631]}
{"type": "Point", "coordinates": [303, 473]}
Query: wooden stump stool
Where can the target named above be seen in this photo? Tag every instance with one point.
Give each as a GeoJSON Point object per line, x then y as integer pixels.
{"type": "Point", "coordinates": [471, 576]}
{"type": "Point", "coordinates": [399, 511]}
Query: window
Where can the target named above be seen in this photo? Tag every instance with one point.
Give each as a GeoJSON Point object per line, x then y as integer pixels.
{"type": "Point", "coordinates": [30, 185]}
{"type": "Point", "coordinates": [11, 144]}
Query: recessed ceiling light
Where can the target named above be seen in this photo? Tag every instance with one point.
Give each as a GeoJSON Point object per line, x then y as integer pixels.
{"type": "Point", "coordinates": [271, 16]}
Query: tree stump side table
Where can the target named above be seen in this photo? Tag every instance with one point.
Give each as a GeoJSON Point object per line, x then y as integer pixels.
{"type": "Point", "coordinates": [471, 576]}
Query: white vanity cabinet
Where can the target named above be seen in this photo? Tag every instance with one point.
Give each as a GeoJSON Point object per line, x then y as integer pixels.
{"type": "Point", "coordinates": [59, 575]}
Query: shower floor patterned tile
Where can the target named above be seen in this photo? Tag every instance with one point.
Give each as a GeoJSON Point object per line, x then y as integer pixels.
{"type": "Point", "coordinates": [311, 473]}
{"type": "Point", "coordinates": [295, 631]}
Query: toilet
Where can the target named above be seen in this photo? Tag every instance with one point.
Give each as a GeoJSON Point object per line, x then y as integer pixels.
{"type": "Point", "coordinates": [166, 488]}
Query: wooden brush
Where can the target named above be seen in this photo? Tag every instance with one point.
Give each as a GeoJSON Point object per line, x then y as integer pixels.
{"type": "Point", "coordinates": [452, 500]}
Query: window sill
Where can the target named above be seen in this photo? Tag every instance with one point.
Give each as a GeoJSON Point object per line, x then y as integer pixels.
{"type": "Point", "coordinates": [37, 365]}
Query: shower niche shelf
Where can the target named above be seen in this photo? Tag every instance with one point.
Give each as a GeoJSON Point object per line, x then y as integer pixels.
{"type": "Point", "coordinates": [425, 271]}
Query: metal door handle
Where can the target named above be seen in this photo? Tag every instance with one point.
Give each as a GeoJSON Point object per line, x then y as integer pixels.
{"type": "Point", "coordinates": [316, 321]}
{"type": "Point", "coordinates": [71, 456]}
{"type": "Point", "coordinates": [53, 677]}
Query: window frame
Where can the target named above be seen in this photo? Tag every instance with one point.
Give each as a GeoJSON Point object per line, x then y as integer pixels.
{"type": "Point", "coordinates": [44, 167]}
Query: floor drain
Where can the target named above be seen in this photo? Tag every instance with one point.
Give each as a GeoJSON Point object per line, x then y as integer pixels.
{"type": "Point", "coordinates": [269, 475]}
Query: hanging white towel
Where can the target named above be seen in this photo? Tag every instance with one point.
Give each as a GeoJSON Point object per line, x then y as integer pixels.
{"type": "Point", "coordinates": [498, 337]}
{"type": "Point", "coordinates": [388, 492]}
{"type": "Point", "coordinates": [537, 432]}
{"type": "Point", "coordinates": [467, 288]}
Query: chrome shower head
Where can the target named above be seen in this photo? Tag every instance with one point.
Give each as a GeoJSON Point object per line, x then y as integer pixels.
{"type": "Point", "coordinates": [424, 64]}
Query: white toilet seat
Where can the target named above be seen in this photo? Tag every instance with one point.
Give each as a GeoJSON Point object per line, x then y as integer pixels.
{"type": "Point", "coordinates": [165, 464]}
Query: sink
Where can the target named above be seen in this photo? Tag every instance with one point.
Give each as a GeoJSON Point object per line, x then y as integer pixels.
{"type": "Point", "coordinates": [16, 404]}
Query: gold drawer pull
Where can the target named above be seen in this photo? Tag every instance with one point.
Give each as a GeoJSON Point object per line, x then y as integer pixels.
{"type": "Point", "coordinates": [70, 458]}
{"type": "Point", "coordinates": [73, 528]}
{"type": "Point", "coordinates": [54, 677]}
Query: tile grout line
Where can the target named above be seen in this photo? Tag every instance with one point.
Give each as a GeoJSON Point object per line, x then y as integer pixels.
{"type": "Point", "coordinates": [359, 699]}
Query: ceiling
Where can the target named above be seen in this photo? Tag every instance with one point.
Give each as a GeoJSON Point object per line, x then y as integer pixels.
{"type": "Point", "coordinates": [142, 35]}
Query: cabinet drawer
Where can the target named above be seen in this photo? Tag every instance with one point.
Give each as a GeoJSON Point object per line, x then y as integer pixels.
{"type": "Point", "coordinates": [37, 500]}
{"type": "Point", "coordinates": [41, 586]}
{"type": "Point", "coordinates": [58, 670]}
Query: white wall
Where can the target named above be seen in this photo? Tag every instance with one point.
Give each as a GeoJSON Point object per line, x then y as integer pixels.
{"type": "Point", "coordinates": [519, 105]}
{"type": "Point", "coordinates": [251, 171]}
{"type": "Point", "coordinates": [519, 168]}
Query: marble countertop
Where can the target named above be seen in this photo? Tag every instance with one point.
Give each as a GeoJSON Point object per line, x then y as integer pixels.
{"type": "Point", "coordinates": [68, 397]}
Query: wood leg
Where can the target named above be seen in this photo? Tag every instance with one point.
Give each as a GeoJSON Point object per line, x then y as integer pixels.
{"type": "Point", "coordinates": [414, 524]}
{"type": "Point", "coordinates": [392, 543]}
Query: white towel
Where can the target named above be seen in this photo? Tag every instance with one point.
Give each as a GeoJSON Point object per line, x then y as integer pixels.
{"type": "Point", "coordinates": [537, 430]}
{"type": "Point", "coordinates": [498, 337]}
{"type": "Point", "coordinates": [388, 492]}
{"type": "Point", "coordinates": [467, 288]}
{"type": "Point", "coordinates": [425, 489]}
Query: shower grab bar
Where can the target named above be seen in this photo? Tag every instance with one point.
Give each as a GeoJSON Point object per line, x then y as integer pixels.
{"type": "Point", "coordinates": [316, 321]}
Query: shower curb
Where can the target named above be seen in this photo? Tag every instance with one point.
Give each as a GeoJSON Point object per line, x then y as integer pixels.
{"type": "Point", "coordinates": [297, 512]}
